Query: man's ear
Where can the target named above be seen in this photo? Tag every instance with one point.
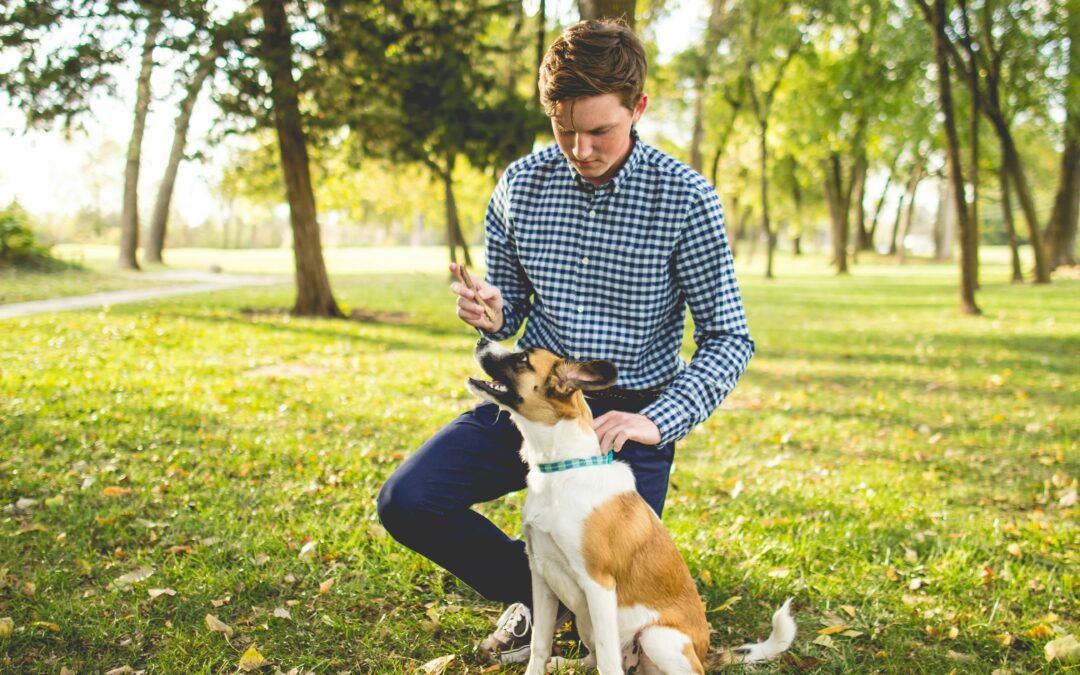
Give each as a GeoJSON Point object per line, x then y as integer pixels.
{"type": "Point", "coordinates": [585, 376]}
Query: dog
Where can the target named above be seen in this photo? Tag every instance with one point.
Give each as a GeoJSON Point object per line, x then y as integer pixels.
{"type": "Point", "coordinates": [592, 541]}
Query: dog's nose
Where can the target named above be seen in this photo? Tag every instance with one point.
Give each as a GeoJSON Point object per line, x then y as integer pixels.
{"type": "Point", "coordinates": [483, 341]}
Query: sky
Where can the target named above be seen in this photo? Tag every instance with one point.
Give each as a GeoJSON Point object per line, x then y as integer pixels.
{"type": "Point", "coordinates": [58, 174]}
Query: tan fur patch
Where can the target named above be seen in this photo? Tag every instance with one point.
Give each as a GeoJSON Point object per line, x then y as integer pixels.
{"type": "Point", "coordinates": [627, 548]}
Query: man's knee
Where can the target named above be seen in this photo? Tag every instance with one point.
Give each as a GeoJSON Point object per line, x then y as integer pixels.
{"type": "Point", "coordinates": [400, 507]}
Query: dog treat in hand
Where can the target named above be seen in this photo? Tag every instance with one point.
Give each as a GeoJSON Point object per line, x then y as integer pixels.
{"type": "Point", "coordinates": [464, 277]}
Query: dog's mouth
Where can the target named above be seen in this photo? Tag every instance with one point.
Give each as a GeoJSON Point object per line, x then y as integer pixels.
{"type": "Point", "coordinates": [493, 387]}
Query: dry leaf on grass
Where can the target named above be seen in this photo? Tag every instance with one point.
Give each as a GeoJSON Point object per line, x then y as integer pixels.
{"type": "Point", "coordinates": [252, 660]}
{"type": "Point", "coordinates": [115, 491]}
{"type": "Point", "coordinates": [158, 592]}
{"type": "Point", "coordinates": [7, 627]}
{"type": "Point", "coordinates": [437, 666]}
{"type": "Point", "coordinates": [833, 629]}
{"type": "Point", "coordinates": [307, 551]}
{"type": "Point", "coordinates": [850, 610]}
{"type": "Point", "coordinates": [46, 624]}
{"type": "Point", "coordinates": [282, 613]}
{"type": "Point", "coordinates": [216, 625]}
{"type": "Point", "coordinates": [326, 585]}
{"type": "Point", "coordinates": [1064, 649]}
{"type": "Point", "coordinates": [127, 580]}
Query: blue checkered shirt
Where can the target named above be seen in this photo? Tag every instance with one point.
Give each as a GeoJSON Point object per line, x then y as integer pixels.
{"type": "Point", "coordinates": [608, 272]}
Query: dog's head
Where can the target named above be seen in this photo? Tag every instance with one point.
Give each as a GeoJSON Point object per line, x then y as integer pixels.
{"type": "Point", "coordinates": [536, 384]}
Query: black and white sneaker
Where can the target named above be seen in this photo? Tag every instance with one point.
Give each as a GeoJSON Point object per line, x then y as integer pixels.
{"type": "Point", "coordinates": [509, 642]}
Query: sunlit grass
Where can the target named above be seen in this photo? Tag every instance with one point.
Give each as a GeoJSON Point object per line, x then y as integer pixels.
{"type": "Point", "coordinates": [896, 468]}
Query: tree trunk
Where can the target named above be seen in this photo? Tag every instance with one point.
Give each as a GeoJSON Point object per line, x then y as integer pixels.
{"type": "Point", "coordinates": [1061, 232]}
{"type": "Point", "coordinates": [973, 91]}
{"type": "Point", "coordinates": [968, 253]}
{"type": "Point", "coordinates": [945, 227]}
{"type": "Point", "coordinates": [796, 197]}
{"type": "Point", "coordinates": [896, 223]}
{"type": "Point", "coordinates": [1010, 226]}
{"type": "Point", "coordinates": [766, 227]}
{"type": "Point", "coordinates": [129, 217]}
{"type": "Point", "coordinates": [697, 136]}
{"type": "Point", "coordinates": [862, 235]}
{"type": "Point", "coordinates": [454, 237]}
{"type": "Point", "coordinates": [607, 9]}
{"type": "Point", "coordinates": [909, 215]}
{"type": "Point", "coordinates": [159, 221]}
{"type": "Point", "coordinates": [838, 211]}
{"type": "Point", "coordinates": [314, 297]}
{"type": "Point", "coordinates": [877, 210]}
{"type": "Point", "coordinates": [541, 47]}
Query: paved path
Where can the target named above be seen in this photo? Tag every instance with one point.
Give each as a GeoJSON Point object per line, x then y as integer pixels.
{"type": "Point", "coordinates": [196, 282]}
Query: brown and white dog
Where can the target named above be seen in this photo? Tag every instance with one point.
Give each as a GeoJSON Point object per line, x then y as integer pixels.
{"type": "Point", "coordinates": [592, 540]}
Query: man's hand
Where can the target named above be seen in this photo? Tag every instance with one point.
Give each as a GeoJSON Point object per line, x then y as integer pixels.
{"type": "Point", "coordinates": [472, 312]}
{"type": "Point", "coordinates": [615, 428]}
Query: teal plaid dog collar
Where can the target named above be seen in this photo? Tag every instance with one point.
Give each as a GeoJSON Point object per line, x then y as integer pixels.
{"type": "Point", "coordinates": [595, 460]}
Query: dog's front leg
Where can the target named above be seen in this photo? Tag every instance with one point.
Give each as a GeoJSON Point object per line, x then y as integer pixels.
{"type": "Point", "coordinates": [604, 612]}
{"type": "Point", "coordinates": [544, 611]}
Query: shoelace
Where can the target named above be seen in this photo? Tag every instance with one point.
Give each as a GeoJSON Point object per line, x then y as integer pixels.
{"type": "Point", "coordinates": [512, 616]}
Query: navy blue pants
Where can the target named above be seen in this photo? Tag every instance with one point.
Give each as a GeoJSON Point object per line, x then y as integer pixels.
{"type": "Point", "coordinates": [425, 504]}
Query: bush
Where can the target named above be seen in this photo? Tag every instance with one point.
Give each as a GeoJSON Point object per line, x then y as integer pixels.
{"type": "Point", "coordinates": [18, 246]}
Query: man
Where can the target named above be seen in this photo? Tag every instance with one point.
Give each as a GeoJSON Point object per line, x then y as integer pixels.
{"type": "Point", "coordinates": [601, 242]}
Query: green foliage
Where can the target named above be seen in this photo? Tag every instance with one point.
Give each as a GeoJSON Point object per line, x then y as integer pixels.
{"type": "Point", "coordinates": [18, 246]}
{"type": "Point", "coordinates": [883, 445]}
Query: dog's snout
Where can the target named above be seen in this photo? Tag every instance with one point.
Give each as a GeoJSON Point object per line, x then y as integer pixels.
{"type": "Point", "coordinates": [483, 341]}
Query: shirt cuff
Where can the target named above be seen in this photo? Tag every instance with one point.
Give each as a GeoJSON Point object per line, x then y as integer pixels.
{"type": "Point", "coordinates": [671, 418]}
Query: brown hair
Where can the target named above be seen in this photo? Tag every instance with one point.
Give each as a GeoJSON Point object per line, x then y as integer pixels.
{"type": "Point", "coordinates": [590, 58]}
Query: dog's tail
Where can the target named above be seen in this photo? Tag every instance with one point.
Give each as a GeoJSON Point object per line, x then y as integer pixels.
{"type": "Point", "coordinates": [783, 634]}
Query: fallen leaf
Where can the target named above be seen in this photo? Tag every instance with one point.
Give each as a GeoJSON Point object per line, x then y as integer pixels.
{"type": "Point", "coordinates": [36, 527]}
{"type": "Point", "coordinates": [1014, 550]}
{"type": "Point", "coordinates": [849, 609]}
{"type": "Point", "coordinates": [326, 585]}
{"type": "Point", "coordinates": [57, 500]}
{"type": "Point", "coordinates": [282, 613]}
{"type": "Point", "coordinates": [915, 584]}
{"type": "Point", "coordinates": [911, 555]}
{"type": "Point", "coordinates": [29, 589]}
{"type": "Point", "coordinates": [728, 604]}
{"type": "Point", "coordinates": [833, 629]}
{"type": "Point", "coordinates": [46, 624]}
{"type": "Point", "coordinates": [779, 572]}
{"type": "Point", "coordinates": [823, 640]}
{"type": "Point", "coordinates": [957, 656]}
{"type": "Point", "coordinates": [1065, 649]}
{"type": "Point", "coordinates": [7, 627]}
{"type": "Point", "coordinates": [891, 574]}
{"type": "Point", "coordinates": [851, 633]}
{"type": "Point", "coordinates": [124, 670]}
{"type": "Point", "coordinates": [706, 577]}
{"type": "Point", "coordinates": [158, 592]}
{"type": "Point", "coordinates": [1040, 631]}
{"type": "Point", "coordinates": [221, 602]}
{"type": "Point", "coordinates": [25, 504]}
{"type": "Point", "coordinates": [131, 578]}
{"type": "Point", "coordinates": [1068, 500]}
{"type": "Point", "coordinates": [437, 666]}
{"type": "Point", "coordinates": [115, 491]}
{"type": "Point", "coordinates": [307, 551]}
{"type": "Point", "coordinates": [1004, 639]}
{"type": "Point", "coordinates": [176, 550]}
{"type": "Point", "coordinates": [215, 624]}
{"type": "Point", "coordinates": [252, 660]}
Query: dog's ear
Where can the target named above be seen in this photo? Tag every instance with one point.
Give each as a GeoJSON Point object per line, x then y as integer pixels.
{"type": "Point", "coordinates": [585, 376]}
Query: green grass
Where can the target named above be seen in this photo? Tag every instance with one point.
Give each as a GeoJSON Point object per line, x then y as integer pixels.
{"type": "Point", "coordinates": [877, 439]}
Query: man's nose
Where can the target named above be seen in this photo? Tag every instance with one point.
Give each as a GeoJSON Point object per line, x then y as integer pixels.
{"type": "Point", "coordinates": [582, 147]}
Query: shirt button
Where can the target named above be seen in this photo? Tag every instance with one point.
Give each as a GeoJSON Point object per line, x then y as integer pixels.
{"type": "Point", "coordinates": [584, 261]}
{"type": "Point", "coordinates": [580, 308]}
{"type": "Point", "coordinates": [592, 214]}
{"type": "Point", "coordinates": [577, 357]}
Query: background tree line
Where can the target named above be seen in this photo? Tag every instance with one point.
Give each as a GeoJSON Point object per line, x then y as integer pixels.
{"type": "Point", "coordinates": [799, 112]}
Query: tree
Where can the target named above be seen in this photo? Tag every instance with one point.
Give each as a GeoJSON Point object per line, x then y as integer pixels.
{"type": "Point", "coordinates": [608, 9]}
{"type": "Point", "coordinates": [437, 97]}
{"type": "Point", "coordinates": [968, 252]}
{"type": "Point", "coordinates": [129, 216]}
{"type": "Point", "coordinates": [764, 72]}
{"type": "Point", "coordinates": [204, 67]}
{"type": "Point", "coordinates": [1061, 231]}
{"type": "Point", "coordinates": [313, 294]}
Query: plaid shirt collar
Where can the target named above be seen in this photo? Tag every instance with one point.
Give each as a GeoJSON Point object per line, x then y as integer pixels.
{"type": "Point", "coordinates": [637, 152]}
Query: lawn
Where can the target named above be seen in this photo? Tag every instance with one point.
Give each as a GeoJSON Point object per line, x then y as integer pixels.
{"type": "Point", "coordinates": [907, 475]}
